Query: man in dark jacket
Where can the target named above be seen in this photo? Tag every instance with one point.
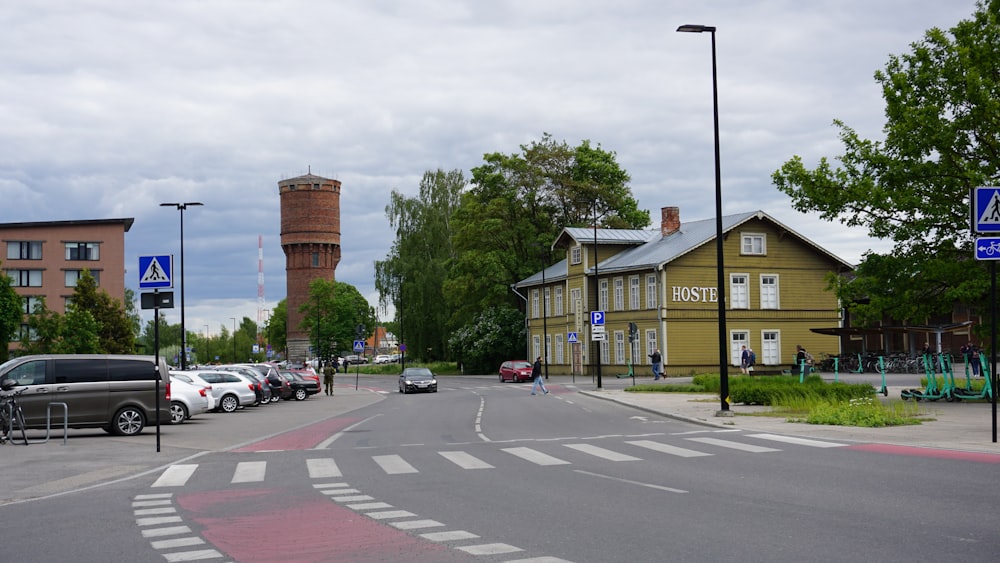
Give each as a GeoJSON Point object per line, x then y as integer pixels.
{"type": "Point", "coordinates": [536, 373]}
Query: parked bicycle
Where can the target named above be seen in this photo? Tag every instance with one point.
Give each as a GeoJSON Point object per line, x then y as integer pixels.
{"type": "Point", "coordinates": [11, 415]}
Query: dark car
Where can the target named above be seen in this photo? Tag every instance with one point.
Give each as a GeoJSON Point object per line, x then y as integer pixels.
{"type": "Point", "coordinates": [515, 370]}
{"type": "Point", "coordinates": [302, 386]}
{"type": "Point", "coordinates": [417, 379]}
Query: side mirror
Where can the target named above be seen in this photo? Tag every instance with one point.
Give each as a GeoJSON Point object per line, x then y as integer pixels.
{"type": "Point", "coordinates": [8, 384]}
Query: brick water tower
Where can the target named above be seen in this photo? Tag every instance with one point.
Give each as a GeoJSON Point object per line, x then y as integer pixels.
{"type": "Point", "coordinates": [310, 238]}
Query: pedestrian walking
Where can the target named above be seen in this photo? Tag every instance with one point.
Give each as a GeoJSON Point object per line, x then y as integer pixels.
{"type": "Point", "coordinates": [536, 373]}
{"type": "Point", "coordinates": [744, 360]}
{"type": "Point", "coordinates": [657, 360]}
{"type": "Point", "coordinates": [328, 372]}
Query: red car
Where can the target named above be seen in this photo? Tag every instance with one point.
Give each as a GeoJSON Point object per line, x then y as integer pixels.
{"type": "Point", "coordinates": [515, 370]}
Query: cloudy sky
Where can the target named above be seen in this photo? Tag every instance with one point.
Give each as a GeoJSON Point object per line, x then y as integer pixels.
{"type": "Point", "coordinates": [110, 107]}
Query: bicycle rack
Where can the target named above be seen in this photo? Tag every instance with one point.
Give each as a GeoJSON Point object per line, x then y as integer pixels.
{"type": "Point", "coordinates": [48, 423]}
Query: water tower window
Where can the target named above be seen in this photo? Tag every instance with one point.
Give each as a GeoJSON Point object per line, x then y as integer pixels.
{"type": "Point", "coordinates": [315, 259]}
{"type": "Point", "coordinates": [315, 186]}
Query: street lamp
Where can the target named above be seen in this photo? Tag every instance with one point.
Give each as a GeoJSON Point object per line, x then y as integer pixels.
{"type": "Point", "coordinates": [181, 207]}
{"type": "Point", "coordinates": [723, 340]}
{"type": "Point", "coordinates": [597, 297]}
{"type": "Point", "coordinates": [234, 337]}
{"type": "Point", "coordinates": [208, 351]}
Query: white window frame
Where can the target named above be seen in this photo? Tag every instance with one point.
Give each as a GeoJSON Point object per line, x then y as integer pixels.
{"type": "Point", "coordinates": [770, 347]}
{"type": "Point", "coordinates": [753, 244]}
{"type": "Point", "coordinates": [739, 293]}
{"type": "Point", "coordinates": [576, 255]}
{"type": "Point", "coordinates": [651, 346]}
{"type": "Point", "coordinates": [534, 304]}
{"type": "Point", "coordinates": [620, 347]}
{"type": "Point", "coordinates": [559, 348]}
{"type": "Point", "coordinates": [769, 292]}
{"type": "Point", "coordinates": [619, 294]}
{"type": "Point", "coordinates": [737, 339]}
{"type": "Point", "coordinates": [559, 301]}
{"type": "Point", "coordinates": [536, 346]}
{"type": "Point", "coordinates": [603, 293]}
{"type": "Point", "coordinates": [548, 349]}
{"type": "Point", "coordinates": [651, 294]}
{"type": "Point", "coordinates": [633, 293]}
{"type": "Point", "coordinates": [547, 309]}
{"type": "Point", "coordinates": [605, 346]}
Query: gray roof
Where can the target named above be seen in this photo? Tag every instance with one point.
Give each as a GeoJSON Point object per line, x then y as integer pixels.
{"type": "Point", "coordinates": [651, 250]}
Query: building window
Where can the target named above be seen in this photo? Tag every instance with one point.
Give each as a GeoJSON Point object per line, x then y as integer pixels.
{"type": "Point", "coordinates": [633, 293]}
{"type": "Point", "coordinates": [547, 310]}
{"type": "Point", "coordinates": [770, 349]}
{"type": "Point", "coordinates": [73, 276]}
{"type": "Point", "coordinates": [548, 349]}
{"type": "Point", "coordinates": [534, 304]}
{"type": "Point", "coordinates": [619, 294]}
{"type": "Point", "coordinates": [651, 291]}
{"type": "Point", "coordinates": [83, 251]}
{"type": "Point", "coordinates": [315, 259]}
{"type": "Point", "coordinates": [25, 278]}
{"type": "Point", "coordinates": [576, 300]}
{"type": "Point", "coordinates": [738, 291]}
{"type": "Point", "coordinates": [769, 291]}
{"type": "Point", "coordinates": [559, 348]}
{"type": "Point", "coordinates": [620, 347]}
{"type": "Point", "coordinates": [575, 255]}
{"type": "Point", "coordinates": [28, 303]}
{"type": "Point", "coordinates": [559, 302]}
{"type": "Point", "coordinates": [604, 351]}
{"type": "Point", "coordinates": [603, 296]}
{"type": "Point", "coordinates": [24, 250]}
{"type": "Point", "coordinates": [651, 345]}
{"type": "Point", "coordinates": [754, 244]}
{"type": "Point", "coordinates": [536, 346]}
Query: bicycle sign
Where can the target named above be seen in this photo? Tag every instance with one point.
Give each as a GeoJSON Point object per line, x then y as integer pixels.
{"type": "Point", "coordinates": [988, 248]}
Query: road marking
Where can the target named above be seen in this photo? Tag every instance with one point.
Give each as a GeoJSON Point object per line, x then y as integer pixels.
{"type": "Point", "coordinates": [369, 506]}
{"type": "Point", "coordinates": [157, 520]}
{"type": "Point", "coordinates": [667, 449]}
{"type": "Point", "coordinates": [176, 475]}
{"type": "Point", "coordinates": [192, 555]}
{"type": "Point", "coordinates": [415, 524]}
{"type": "Point", "coordinates": [630, 482]}
{"type": "Point", "coordinates": [153, 511]}
{"type": "Point", "coordinates": [169, 531]}
{"type": "Point", "coordinates": [393, 464]}
{"type": "Point", "coordinates": [454, 535]}
{"type": "Point", "coordinates": [465, 461]}
{"type": "Point", "coordinates": [389, 514]}
{"type": "Point", "coordinates": [535, 456]}
{"type": "Point", "coordinates": [798, 441]}
{"type": "Point", "coordinates": [323, 468]}
{"type": "Point", "coordinates": [353, 498]}
{"type": "Point", "coordinates": [601, 452]}
{"type": "Point", "coordinates": [733, 445]}
{"type": "Point", "coordinates": [177, 542]}
{"type": "Point", "coordinates": [249, 472]}
{"type": "Point", "coordinates": [326, 443]}
{"type": "Point", "coordinates": [490, 549]}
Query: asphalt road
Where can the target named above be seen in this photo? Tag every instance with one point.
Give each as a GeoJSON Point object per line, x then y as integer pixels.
{"type": "Point", "coordinates": [482, 471]}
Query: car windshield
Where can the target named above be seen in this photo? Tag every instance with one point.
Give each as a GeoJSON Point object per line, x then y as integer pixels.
{"type": "Point", "coordinates": [418, 373]}
{"type": "Point", "coordinates": [520, 365]}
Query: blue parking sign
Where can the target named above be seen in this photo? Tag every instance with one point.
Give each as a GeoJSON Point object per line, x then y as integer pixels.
{"type": "Point", "coordinates": [597, 317]}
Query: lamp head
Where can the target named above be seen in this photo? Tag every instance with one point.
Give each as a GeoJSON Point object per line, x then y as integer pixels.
{"type": "Point", "coordinates": [695, 28]}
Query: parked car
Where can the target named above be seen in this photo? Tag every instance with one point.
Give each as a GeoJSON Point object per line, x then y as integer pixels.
{"type": "Point", "coordinates": [190, 377]}
{"type": "Point", "coordinates": [187, 400]}
{"type": "Point", "coordinates": [383, 359]}
{"type": "Point", "coordinates": [232, 389]}
{"type": "Point", "coordinates": [417, 379]}
{"type": "Point", "coordinates": [515, 370]}
{"type": "Point", "coordinates": [280, 389]}
{"type": "Point", "coordinates": [302, 386]}
{"type": "Point", "coordinates": [262, 387]}
{"type": "Point", "coordinates": [355, 359]}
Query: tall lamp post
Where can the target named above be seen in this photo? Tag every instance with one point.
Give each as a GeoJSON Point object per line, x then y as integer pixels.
{"type": "Point", "coordinates": [723, 340]}
{"type": "Point", "coordinates": [181, 207]}
{"type": "Point", "coordinates": [597, 297]}
{"type": "Point", "coordinates": [208, 351]}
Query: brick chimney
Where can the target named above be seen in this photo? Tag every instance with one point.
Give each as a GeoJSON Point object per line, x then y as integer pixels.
{"type": "Point", "coordinates": [670, 220]}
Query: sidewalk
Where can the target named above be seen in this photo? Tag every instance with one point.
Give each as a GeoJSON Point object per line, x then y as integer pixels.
{"type": "Point", "coordinates": [961, 426]}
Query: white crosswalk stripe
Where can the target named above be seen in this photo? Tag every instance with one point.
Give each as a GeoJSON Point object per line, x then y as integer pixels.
{"type": "Point", "coordinates": [798, 441]}
{"type": "Point", "coordinates": [393, 464]}
{"type": "Point", "coordinates": [465, 461]}
{"type": "Point", "coordinates": [176, 475]}
{"type": "Point", "coordinates": [535, 456]}
{"type": "Point", "coordinates": [733, 445]}
{"type": "Point", "coordinates": [667, 448]}
{"type": "Point", "coordinates": [249, 472]}
{"type": "Point", "coordinates": [323, 468]}
{"type": "Point", "coordinates": [602, 452]}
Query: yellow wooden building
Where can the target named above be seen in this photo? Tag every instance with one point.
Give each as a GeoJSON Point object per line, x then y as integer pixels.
{"type": "Point", "coordinates": [663, 284]}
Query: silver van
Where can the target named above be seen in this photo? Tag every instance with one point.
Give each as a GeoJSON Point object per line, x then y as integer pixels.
{"type": "Point", "coordinates": [113, 392]}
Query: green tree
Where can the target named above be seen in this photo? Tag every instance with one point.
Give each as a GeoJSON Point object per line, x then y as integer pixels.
{"type": "Point", "coordinates": [114, 329]}
{"type": "Point", "coordinates": [276, 327]}
{"type": "Point", "coordinates": [45, 328]}
{"type": "Point", "coordinates": [413, 275]}
{"type": "Point", "coordinates": [11, 315]}
{"type": "Point", "coordinates": [516, 207]}
{"type": "Point", "coordinates": [942, 138]}
{"type": "Point", "coordinates": [332, 314]}
{"type": "Point", "coordinates": [495, 335]}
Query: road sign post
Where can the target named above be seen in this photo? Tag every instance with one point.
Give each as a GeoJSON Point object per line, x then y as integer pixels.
{"type": "Point", "coordinates": [985, 213]}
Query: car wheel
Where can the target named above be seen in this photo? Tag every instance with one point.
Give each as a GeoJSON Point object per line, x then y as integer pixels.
{"type": "Point", "coordinates": [300, 394]}
{"type": "Point", "coordinates": [178, 412]}
{"type": "Point", "coordinates": [128, 422]}
{"type": "Point", "coordinates": [275, 398]}
{"type": "Point", "coordinates": [229, 403]}
{"type": "Point", "coordinates": [501, 378]}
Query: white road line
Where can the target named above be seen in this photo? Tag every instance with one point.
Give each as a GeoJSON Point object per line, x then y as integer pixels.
{"type": "Point", "coordinates": [175, 476]}
{"type": "Point", "coordinates": [154, 511]}
{"type": "Point", "coordinates": [323, 468]}
{"type": "Point", "coordinates": [353, 498]}
{"type": "Point", "coordinates": [453, 535]}
{"type": "Point", "coordinates": [798, 441]}
{"type": "Point", "coordinates": [393, 464]}
{"type": "Point", "coordinates": [341, 492]}
{"type": "Point", "coordinates": [490, 549]}
{"type": "Point", "coordinates": [155, 521]}
{"type": "Point", "coordinates": [329, 485]}
{"type": "Point", "coordinates": [601, 452]}
{"type": "Point", "coordinates": [734, 445]}
{"type": "Point", "coordinates": [535, 456]}
{"type": "Point", "coordinates": [465, 461]}
{"type": "Point", "coordinates": [415, 524]}
{"type": "Point", "coordinates": [192, 555]}
{"type": "Point", "coordinates": [177, 542]}
{"type": "Point", "coordinates": [631, 482]}
{"type": "Point", "coordinates": [389, 514]}
{"type": "Point", "coordinates": [154, 495]}
{"type": "Point", "coordinates": [169, 531]}
{"type": "Point", "coordinates": [326, 443]}
{"type": "Point", "coordinates": [543, 559]}
{"type": "Point", "coordinates": [142, 503]}
{"type": "Point", "coordinates": [369, 506]}
{"type": "Point", "coordinates": [667, 448]}
{"type": "Point", "coordinates": [249, 472]}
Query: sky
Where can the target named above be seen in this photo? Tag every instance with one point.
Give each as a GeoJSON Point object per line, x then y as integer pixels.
{"type": "Point", "coordinates": [110, 107]}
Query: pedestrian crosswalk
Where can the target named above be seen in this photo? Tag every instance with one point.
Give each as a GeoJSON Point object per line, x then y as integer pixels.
{"type": "Point", "coordinates": [554, 454]}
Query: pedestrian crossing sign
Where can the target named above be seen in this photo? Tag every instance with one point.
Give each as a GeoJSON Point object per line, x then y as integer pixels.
{"type": "Point", "coordinates": [986, 210]}
{"type": "Point", "coordinates": [156, 272]}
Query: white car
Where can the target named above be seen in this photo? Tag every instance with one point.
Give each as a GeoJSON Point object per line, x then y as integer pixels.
{"type": "Point", "coordinates": [231, 389]}
{"type": "Point", "coordinates": [383, 359]}
{"type": "Point", "coordinates": [187, 400]}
